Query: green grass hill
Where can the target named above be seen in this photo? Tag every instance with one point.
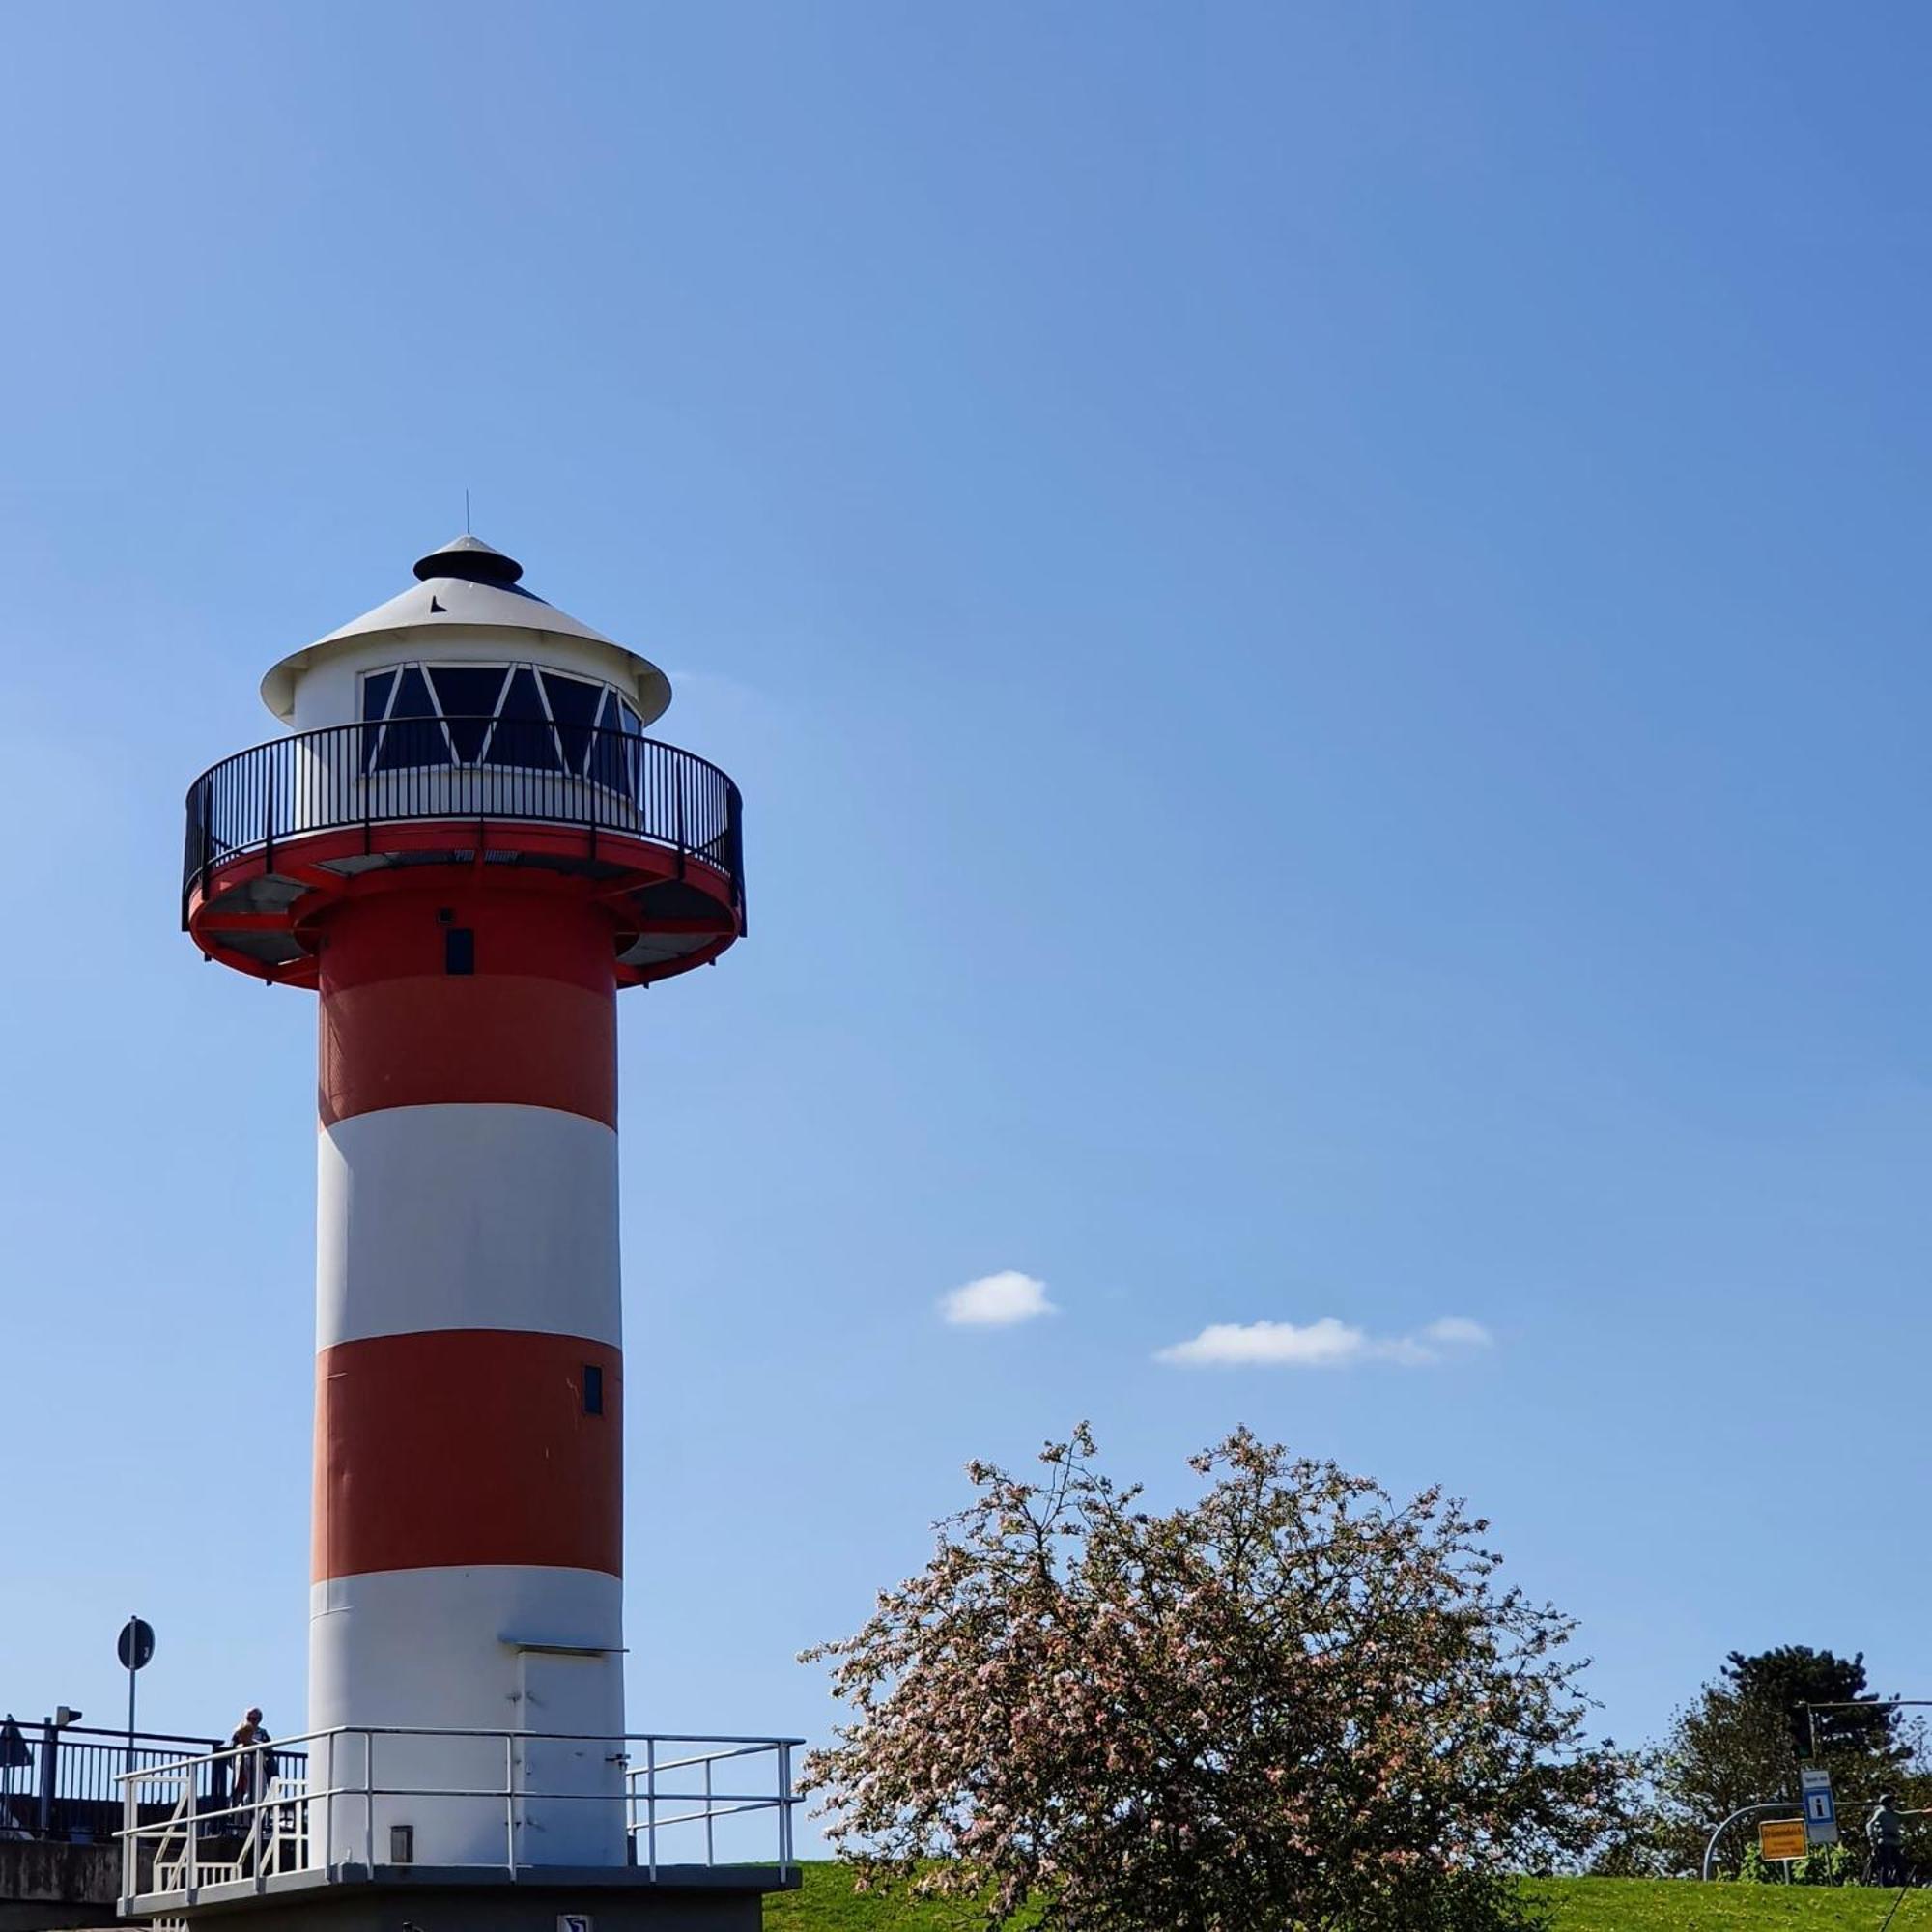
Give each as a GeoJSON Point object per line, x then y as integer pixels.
{"type": "Point", "coordinates": [828, 1904]}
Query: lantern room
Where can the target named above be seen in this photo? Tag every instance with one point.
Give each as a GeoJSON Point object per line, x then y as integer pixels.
{"type": "Point", "coordinates": [465, 722]}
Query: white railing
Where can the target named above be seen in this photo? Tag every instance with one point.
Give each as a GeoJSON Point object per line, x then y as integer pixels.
{"type": "Point", "coordinates": [699, 1765]}
{"type": "Point", "coordinates": [499, 1801]}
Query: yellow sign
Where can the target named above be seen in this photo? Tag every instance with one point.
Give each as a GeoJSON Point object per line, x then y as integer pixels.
{"type": "Point", "coordinates": [1781, 1839]}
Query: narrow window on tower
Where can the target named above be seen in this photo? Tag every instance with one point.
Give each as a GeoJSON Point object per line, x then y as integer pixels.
{"type": "Point", "coordinates": [459, 950]}
{"type": "Point", "coordinates": [593, 1390]}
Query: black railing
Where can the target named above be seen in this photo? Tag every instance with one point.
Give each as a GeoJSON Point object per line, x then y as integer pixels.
{"type": "Point", "coordinates": [527, 770]}
{"type": "Point", "coordinates": [63, 1783]}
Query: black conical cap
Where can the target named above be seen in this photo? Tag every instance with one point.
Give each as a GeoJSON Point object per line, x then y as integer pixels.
{"type": "Point", "coordinates": [472, 559]}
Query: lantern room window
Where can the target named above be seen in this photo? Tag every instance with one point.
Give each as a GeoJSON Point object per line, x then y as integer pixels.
{"type": "Point", "coordinates": [516, 715]}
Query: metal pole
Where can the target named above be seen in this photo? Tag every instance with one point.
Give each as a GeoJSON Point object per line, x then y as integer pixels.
{"type": "Point", "coordinates": [49, 1749]}
{"type": "Point", "coordinates": [651, 1801]}
{"type": "Point", "coordinates": [1742, 1811]}
{"type": "Point", "coordinates": [591, 785]}
{"type": "Point", "coordinates": [785, 1810]}
{"type": "Point", "coordinates": [710, 1848]}
{"type": "Point", "coordinates": [134, 1677]}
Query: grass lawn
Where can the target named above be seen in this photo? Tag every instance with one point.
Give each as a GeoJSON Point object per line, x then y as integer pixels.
{"type": "Point", "coordinates": [828, 1904]}
{"type": "Point", "coordinates": [1681, 1905]}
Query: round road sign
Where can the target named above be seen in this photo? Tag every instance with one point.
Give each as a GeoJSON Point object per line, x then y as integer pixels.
{"type": "Point", "coordinates": [137, 1643]}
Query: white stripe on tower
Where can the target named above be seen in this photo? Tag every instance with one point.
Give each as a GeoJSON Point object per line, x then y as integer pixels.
{"type": "Point", "coordinates": [478, 1216]}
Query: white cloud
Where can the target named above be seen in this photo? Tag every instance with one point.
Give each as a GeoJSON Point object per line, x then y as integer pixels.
{"type": "Point", "coordinates": [1324, 1344]}
{"type": "Point", "coordinates": [997, 1301]}
{"type": "Point", "coordinates": [1458, 1331]}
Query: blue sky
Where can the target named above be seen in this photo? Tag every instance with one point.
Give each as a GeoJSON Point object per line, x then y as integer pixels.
{"type": "Point", "coordinates": [1321, 615]}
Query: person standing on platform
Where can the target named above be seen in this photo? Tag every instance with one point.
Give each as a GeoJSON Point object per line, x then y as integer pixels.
{"type": "Point", "coordinates": [248, 1741]}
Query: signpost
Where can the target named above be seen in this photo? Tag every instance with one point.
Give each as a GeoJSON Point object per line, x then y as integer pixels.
{"type": "Point", "coordinates": [1779, 1839]}
{"type": "Point", "coordinates": [135, 1647]}
{"type": "Point", "coordinates": [13, 1756]}
{"type": "Point", "coordinates": [1821, 1809]}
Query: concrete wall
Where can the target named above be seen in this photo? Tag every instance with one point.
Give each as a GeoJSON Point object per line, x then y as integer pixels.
{"type": "Point", "coordinates": [42, 1884]}
{"type": "Point", "coordinates": [487, 1908]}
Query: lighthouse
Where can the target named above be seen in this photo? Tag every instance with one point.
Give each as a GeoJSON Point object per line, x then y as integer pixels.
{"type": "Point", "coordinates": [465, 843]}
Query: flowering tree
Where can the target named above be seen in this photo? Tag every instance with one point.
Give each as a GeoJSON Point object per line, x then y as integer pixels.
{"type": "Point", "coordinates": [1290, 1703]}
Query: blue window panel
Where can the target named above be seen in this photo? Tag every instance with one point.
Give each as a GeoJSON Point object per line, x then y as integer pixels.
{"type": "Point", "coordinates": [607, 764]}
{"type": "Point", "coordinates": [412, 698]}
{"type": "Point", "coordinates": [413, 735]}
{"type": "Point", "coordinates": [376, 690]}
{"type": "Point", "coordinates": [572, 704]}
{"type": "Point", "coordinates": [523, 734]}
{"type": "Point", "coordinates": [467, 698]}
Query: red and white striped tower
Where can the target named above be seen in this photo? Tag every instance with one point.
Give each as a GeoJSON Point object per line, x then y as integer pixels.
{"type": "Point", "coordinates": [466, 846]}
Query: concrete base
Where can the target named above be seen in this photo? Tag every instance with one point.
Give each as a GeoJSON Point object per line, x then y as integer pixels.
{"type": "Point", "coordinates": [47, 1885]}
{"type": "Point", "coordinates": [19, 1917]}
{"type": "Point", "coordinates": [428, 1898]}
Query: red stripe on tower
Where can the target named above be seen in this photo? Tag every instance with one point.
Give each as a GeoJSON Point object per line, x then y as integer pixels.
{"type": "Point", "coordinates": [473, 996]}
{"type": "Point", "coordinates": [468, 1445]}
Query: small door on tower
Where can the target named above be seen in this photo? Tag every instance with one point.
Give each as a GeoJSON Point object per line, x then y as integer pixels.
{"type": "Point", "coordinates": [570, 1769]}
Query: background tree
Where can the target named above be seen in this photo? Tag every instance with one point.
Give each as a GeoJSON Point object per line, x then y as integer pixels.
{"type": "Point", "coordinates": [1740, 1742]}
{"type": "Point", "coordinates": [1795, 1675]}
{"type": "Point", "coordinates": [1291, 1701]}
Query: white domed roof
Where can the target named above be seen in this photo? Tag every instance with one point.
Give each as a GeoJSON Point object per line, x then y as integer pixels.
{"type": "Point", "coordinates": [468, 584]}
